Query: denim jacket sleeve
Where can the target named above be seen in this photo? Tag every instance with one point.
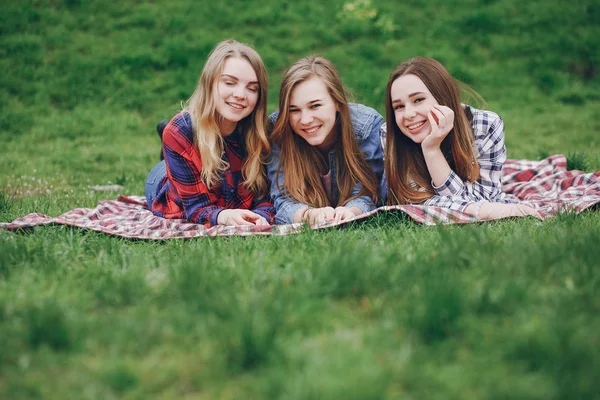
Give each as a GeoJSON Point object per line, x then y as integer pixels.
{"type": "Point", "coordinates": [367, 125]}
{"type": "Point", "coordinates": [383, 181]}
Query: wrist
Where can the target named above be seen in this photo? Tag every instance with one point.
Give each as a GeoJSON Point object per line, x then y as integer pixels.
{"type": "Point", "coordinates": [476, 211]}
{"type": "Point", "coordinates": [221, 217]}
{"type": "Point", "coordinates": [431, 151]}
{"type": "Point", "coordinates": [355, 210]}
{"type": "Point", "coordinates": [305, 216]}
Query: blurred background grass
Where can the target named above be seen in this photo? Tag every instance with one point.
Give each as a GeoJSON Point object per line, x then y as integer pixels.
{"type": "Point", "coordinates": [85, 82]}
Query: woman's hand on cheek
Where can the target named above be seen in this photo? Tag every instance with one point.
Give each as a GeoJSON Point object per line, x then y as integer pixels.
{"type": "Point", "coordinates": [441, 120]}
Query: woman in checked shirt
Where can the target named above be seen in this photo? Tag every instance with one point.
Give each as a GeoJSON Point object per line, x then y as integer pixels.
{"type": "Point", "coordinates": [439, 152]}
{"type": "Point", "coordinates": [214, 150]}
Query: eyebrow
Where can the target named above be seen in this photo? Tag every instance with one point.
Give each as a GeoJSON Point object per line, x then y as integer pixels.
{"type": "Point", "coordinates": [309, 103]}
{"type": "Point", "coordinates": [237, 79]}
{"type": "Point", "coordinates": [410, 95]}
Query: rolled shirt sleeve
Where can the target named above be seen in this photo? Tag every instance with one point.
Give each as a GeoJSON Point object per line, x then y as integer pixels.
{"type": "Point", "coordinates": [457, 194]}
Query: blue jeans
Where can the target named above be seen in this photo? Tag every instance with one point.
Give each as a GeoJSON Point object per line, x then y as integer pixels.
{"type": "Point", "coordinates": [153, 182]}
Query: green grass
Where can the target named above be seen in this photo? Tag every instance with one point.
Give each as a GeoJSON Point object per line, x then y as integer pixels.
{"type": "Point", "coordinates": [379, 310]}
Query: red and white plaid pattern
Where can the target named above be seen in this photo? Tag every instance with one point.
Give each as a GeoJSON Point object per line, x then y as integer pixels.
{"type": "Point", "coordinates": [545, 185]}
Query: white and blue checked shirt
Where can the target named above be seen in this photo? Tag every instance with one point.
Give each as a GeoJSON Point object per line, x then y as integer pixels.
{"type": "Point", "coordinates": [490, 151]}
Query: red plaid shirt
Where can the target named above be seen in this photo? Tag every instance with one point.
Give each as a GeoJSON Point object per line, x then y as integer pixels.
{"type": "Point", "coordinates": [184, 195]}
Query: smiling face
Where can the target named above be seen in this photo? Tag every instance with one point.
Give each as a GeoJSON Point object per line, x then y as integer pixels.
{"type": "Point", "coordinates": [312, 113]}
{"type": "Point", "coordinates": [237, 93]}
{"type": "Point", "coordinates": [412, 101]}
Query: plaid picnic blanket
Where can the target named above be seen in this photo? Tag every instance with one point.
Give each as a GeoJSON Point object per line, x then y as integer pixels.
{"type": "Point", "coordinates": [544, 185]}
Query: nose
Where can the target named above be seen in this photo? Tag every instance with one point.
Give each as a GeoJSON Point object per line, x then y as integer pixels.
{"type": "Point", "coordinates": [239, 92]}
{"type": "Point", "coordinates": [409, 111]}
{"type": "Point", "coordinates": [306, 118]}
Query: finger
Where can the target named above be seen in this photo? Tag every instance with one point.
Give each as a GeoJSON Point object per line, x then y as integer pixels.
{"type": "Point", "coordinates": [433, 122]}
{"type": "Point", "coordinates": [327, 215]}
{"type": "Point", "coordinates": [440, 116]}
{"type": "Point", "coordinates": [339, 215]}
{"type": "Point", "coordinates": [318, 217]}
{"type": "Point", "coordinates": [532, 211]}
{"type": "Point", "coordinates": [249, 215]}
{"type": "Point", "coordinates": [261, 222]}
{"type": "Point", "coordinates": [313, 216]}
{"type": "Point", "coordinates": [330, 214]}
{"type": "Point", "coordinates": [448, 115]}
{"type": "Point", "coordinates": [443, 109]}
{"type": "Point", "coordinates": [239, 220]}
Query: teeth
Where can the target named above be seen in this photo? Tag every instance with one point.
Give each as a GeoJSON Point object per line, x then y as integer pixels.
{"type": "Point", "coordinates": [417, 125]}
{"type": "Point", "coordinates": [239, 107]}
{"type": "Point", "coordinates": [312, 130]}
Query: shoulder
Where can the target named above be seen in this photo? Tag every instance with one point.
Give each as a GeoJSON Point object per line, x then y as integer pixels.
{"type": "Point", "coordinates": [488, 129]}
{"type": "Point", "coordinates": [364, 120]}
{"type": "Point", "coordinates": [273, 116]}
{"type": "Point", "coordinates": [180, 124]}
{"type": "Point", "coordinates": [483, 120]}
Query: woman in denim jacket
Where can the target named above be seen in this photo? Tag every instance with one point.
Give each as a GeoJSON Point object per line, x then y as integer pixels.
{"type": "Point", "coordinates": [327, 159]}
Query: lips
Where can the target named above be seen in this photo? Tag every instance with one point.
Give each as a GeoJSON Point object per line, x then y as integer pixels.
{"type": "Point", "coordinates": [312, 130]}
{"type": "Point", "coordinates": [235, 106]}
{"type": "Point", "coordinates": [416, 127]}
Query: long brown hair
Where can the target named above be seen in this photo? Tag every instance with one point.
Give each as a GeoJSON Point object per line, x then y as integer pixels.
{"type": "Point", "coordinates": [301, 163]}
{"type": "Point", "coordinates": [404, 160]}
{"type": "Point", "coordinates": [205, 119]}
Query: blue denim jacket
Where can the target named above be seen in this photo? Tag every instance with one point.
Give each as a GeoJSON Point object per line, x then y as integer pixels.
{"type": "Point", "coordinates": [366, 123]}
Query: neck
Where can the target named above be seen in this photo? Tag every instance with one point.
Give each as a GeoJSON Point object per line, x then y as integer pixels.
{"type": "Point", "coordinates": [329, 141]}
{"type": "Point", "coordinates": [226, 127]}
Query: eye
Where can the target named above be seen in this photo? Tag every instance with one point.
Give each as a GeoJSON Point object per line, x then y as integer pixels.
{"type": "Point", "coordinates": [399, 107]}
{"type": "Point", "coordinates": [253, 89]}
{"type": "Point", "coordinates": [315, 106]}
{"type": "Point", "coordinates": [229, 83]}
{"type": "Point", "coordinates": [293, 110]}
{"type": "Point", "coordinates": [419, 99]}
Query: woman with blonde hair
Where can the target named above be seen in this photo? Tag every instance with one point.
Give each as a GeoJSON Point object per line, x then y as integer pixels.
{"type": "Point", "coordinates": [327, 158]}
{"type": "Point", "coordinates": [215, 148]}
{"type": "Point", "coordinates": [440, 152]}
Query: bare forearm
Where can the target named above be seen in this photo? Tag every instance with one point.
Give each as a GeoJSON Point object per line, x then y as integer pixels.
{"type": "Point", "coordinates": [300, 215]}
{"type": "Point", "coordinates": [488, 211]}
{"type": "Point", "coordinates": [437, 165]}
{"type": "Point", "coordinates": [355, 210]}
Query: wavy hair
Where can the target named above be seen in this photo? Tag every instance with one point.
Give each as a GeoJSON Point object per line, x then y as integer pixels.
{"type": "Point", "coordinates": [301, 163]}
{"type": "Point", "coordinates": [404, 161]}
{"type": "Point", "coordinates": [205, 119]}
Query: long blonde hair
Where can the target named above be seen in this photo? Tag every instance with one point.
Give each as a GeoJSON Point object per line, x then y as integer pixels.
{"type": "Point", "coordinates": [205, 119]}
{"type": "Point", "coordinates": [404, 161]}
{"type": "Point", "coordinates": [302, 163]}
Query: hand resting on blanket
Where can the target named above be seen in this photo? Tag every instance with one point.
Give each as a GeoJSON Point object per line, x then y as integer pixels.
{"type": "Point", "coordinates": [240, 217]}
{"type": "Point", "coordinates": [326, 214]}
{"type": "Point", "coordinates": [487, 211]}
